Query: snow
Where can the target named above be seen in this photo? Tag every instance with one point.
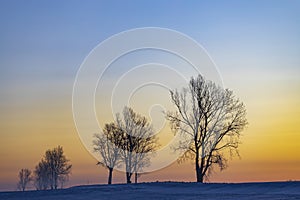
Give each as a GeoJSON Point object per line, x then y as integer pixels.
{"type": "Point", "coordinates": [167, 190]}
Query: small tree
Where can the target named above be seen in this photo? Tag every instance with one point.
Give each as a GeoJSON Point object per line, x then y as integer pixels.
{"type": "Point", "coordinates": [24, 179]}
{"type": "Point", "coordinates": [54, 167]}
{"type": "Point", "coordinates": [58, 165]}
{"type": "Point", "coordinates": [210, 120]}
{"type": "Point", "coordinates": [108, 146]}
{"type": "Point", "coordinates": [138, 141]}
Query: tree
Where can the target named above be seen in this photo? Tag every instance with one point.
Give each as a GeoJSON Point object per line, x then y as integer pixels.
{"type": "Point", "coordinates": [108, 146]}
{"type": "Point", "coordinates": [24, 178]}
{"type": "Point", "coordinates": [138, 142]}
{"type": "Point", "coordinates": [58, 165]}
{"type": "Point", "coordinates": [54, 167]}
{"type": "Point", "coordinates": [210, 119]}
{"type": "Point", "coordinates": [42, 175]}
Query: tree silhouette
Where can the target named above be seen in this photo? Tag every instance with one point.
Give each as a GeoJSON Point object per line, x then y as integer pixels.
{"type": "Point", "coordinates": [210, 120]}
{"type": "Point", "coordinates": [24, 179]}
{"type": "Point", "coordinates": [58, 165]}
{"type": "Point", "coordinates": [138, 142]}
{"type": "Point", "coordinates": [108, 146]}
{"type": "Point", "coordinates": [42, 175]}
{"type": "Point", "coordinates": [54, 167]}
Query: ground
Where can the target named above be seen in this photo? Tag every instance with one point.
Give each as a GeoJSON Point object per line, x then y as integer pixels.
{"type": "Point", "coordinates": [167, 190]}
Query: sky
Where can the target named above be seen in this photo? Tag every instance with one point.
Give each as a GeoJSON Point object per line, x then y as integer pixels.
{"type": "Point", "coordinates": [255, 45]}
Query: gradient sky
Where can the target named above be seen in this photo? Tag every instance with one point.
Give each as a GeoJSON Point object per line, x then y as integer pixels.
{"type": "Point", "coordinates": [255, 44]}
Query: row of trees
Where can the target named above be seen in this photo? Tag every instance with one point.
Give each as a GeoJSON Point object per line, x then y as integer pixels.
{"type": "Point", "coordinates": [208, 117]}
{"type": "Point", "coordinates": [129, 141]}
{"type": "Point", "coordinates": [54, 168]}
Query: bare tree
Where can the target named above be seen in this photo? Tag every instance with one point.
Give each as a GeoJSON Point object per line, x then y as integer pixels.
{"type": "Point", "coordinates": [108, 146]}
{"type": "Point", "coordinates": [54, 167]}
{"type": "Point", "coordinates": [58, 165]}
{"type": "Point", "coordinates": [210, 119]}
{"type": "Point", "coordinates": [42, 175]}
{"type": "Point", "coordinates": [138, 142]}
{"type": "Point", "coordinates": [24, 179]}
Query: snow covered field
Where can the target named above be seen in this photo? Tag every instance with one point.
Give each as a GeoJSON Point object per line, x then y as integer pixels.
{"type": "Point", "coordinates": [167, 190]}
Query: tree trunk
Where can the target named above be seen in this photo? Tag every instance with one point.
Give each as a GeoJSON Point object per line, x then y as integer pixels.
{"type": "Point", "coordinates": [201, 169]}
{"type": "Point", "coordinates": [135, 177]}
{"type": "Point", "coordinates": [55, 181]}
{"type": "Point", "coordinates": [128, 177]}
{"type": "Point", "coordinates": [199, 177]}
{"type": "Point", "coordinates": [110, 175]}
{"type": "Point", "coordinates": [199, 174]}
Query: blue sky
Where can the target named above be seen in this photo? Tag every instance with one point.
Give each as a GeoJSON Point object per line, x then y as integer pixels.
{"type": "Point", "coordinates": [55, 36]}
{"type": "Point", "coordinates": [46, 41]}
{"type": "Point", "coordinates": [55, 30]}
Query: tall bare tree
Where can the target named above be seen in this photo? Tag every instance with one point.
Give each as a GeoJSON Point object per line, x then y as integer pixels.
{"type": "Point", "coordinates": [138, 142]}
{"type": "Point", "coordinates": [210, 119]}
{"type": "Point", "coordinates": [24, 179]}
{"type": "Point", "coordinates": [108, 145]}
